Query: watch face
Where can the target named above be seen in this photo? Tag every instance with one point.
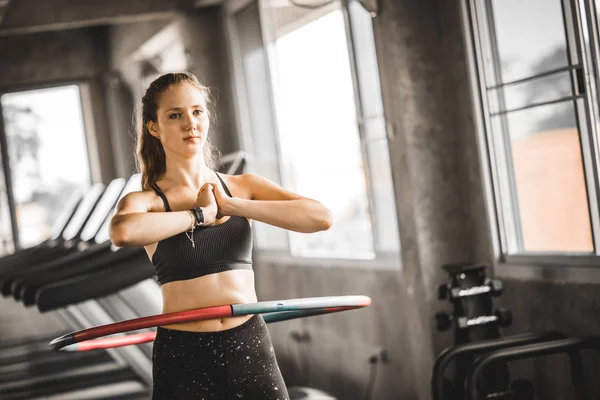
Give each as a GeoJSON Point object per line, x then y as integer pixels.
{"type": "Point", "coordinates": [199, 215]}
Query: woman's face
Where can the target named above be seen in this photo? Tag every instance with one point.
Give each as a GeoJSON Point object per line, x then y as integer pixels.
{"type": "Point", "coordinates": [182, 121]}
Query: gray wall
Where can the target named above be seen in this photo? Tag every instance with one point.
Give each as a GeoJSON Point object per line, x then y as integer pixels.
{"type": "Point", "coordinates": [124, 87]}
{"type": "Point", "coordinates": [202, 35]}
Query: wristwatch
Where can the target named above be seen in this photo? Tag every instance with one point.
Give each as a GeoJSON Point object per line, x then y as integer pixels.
{"type": "Point", "coordinates": [199, 215]}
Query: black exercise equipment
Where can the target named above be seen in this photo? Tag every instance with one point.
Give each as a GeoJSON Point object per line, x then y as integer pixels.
{"type": "Point", "coordinates": [470, 292]}
{"type": "Point", "coordinates": [443, 389]}
{"type": "Point", "coordinates": [16, 265]}
{"type": "Point", "coordinates": [55, 239]}
{"type": "Point", "coordinates": [129, 270]}
{"type": "Point", "coordinates": [571, 346]}
{"type": "Point", "coordinates": [97, 269]}
{"type": "Point", "coordinates": [28, 370]}
{"type": "Point", "coordinates": [12, 281]}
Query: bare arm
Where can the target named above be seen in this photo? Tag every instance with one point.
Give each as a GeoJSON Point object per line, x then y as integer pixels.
{"type": "Point", "coordinates": [135, 225]}
{"type": "Point", "coordinates": [274, 205]}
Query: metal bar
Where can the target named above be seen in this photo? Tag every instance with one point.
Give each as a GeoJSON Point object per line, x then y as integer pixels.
{"type": "Point", "coordinates": [268, 38]}
{"type": "Point", "coordinates": [587, 136]}
{"type": "Point", "coordinates": [533, 77]}
{"type": "Point", "coordinates": [585, 124]}
{"type": "Point", "coordinates": [540, 104]}
{"type": "Point", "coordinates": [572, 270]}
{"type": "Point", "coordinates": [452, 353]}
{"type": "Point", "coordinates": [8, 183]}
{"type": "Point", "coordinates": [522, 352]}
{"type": "Point", "coordinates": [552, 258]}
{"type": "Point", "coordinates": [233, 156]}
{"type": "Point", "coordinates": [510, 173]}
{"type": "Point", "coordinates": [364, 119]}
{"type": "Point", "coordinates": [358, 102]}
{"type": "Point", "coordinates": [488, 156]}
{"type": "Point", "coordinates": [238, 88]}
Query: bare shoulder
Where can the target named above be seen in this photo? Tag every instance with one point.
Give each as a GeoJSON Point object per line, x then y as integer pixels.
{"type": "Point", "coordinates": [143, 201]}
{"type": "Point", "coordinates": [237, 185]}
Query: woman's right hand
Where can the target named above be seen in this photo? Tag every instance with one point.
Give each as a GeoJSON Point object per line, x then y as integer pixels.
{"type": "Point", "coordinates": [208, 203]}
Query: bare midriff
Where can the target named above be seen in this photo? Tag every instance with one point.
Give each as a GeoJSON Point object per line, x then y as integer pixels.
{"type": "Point", "coordinates": [223, 288]}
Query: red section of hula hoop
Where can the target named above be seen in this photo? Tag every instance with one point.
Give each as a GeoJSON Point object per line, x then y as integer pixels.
{"type": "Point", "coordinates": [119, 341]}
{"type": "Point", "coordinates": [139, 338]}
{"type": "Point", "coordinates": [280, 310]}
{"type": "Point", "coordinates": [152, 321]}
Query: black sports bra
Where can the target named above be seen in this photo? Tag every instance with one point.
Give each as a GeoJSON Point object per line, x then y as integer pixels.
{"type": "Point", "coordinates": [223, 247]}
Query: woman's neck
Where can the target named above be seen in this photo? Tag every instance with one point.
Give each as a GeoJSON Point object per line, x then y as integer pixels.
{"type": "Point", "coordinates": [191, 173]}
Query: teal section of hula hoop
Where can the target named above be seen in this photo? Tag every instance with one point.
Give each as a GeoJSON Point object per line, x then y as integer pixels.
{"type": "Point", "coordinates": [287, 315]}
{"type": "Point", "coordinates": [309, 303]}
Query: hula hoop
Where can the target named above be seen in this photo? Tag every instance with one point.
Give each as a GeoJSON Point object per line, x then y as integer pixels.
{"type": "Point", "coordinates": [272, 311]}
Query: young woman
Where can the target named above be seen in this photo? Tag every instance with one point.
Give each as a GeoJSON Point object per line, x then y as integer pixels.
{"type": "Point", "coordinates": [195, 226]}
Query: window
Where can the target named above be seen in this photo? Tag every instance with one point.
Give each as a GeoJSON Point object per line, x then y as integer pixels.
{"type": "Point", "coordinates": [47, 154]}
{"type": "Point", "coordinates": [319, 144]}
{"type": "Point", "coordinates": [539, 103]}
{"type": "Point", "coordinates": [323, 131]}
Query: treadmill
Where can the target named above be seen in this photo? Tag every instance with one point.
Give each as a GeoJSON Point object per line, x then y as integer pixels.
{"type": "Point", "coordinates": [29, 369]}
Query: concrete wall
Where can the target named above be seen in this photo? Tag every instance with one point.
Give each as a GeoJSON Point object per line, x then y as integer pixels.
{"type": "Point", "coordinates": [124, 86]}
{"type": "Point", "coordinates": [202, 35]}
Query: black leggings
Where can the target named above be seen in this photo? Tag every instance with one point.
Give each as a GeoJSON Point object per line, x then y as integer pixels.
{"type": "Point", "coordinates": [237, 363]}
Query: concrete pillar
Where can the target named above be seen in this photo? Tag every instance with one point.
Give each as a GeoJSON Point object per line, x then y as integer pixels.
{"type": "Point", "coordinates": [436, 172]}
{"type": "Point", "coordinates": [203, 36]}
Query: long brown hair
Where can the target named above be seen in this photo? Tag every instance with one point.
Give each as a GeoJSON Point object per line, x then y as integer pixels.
{"type": "Point", "coordinates": [150, 153]}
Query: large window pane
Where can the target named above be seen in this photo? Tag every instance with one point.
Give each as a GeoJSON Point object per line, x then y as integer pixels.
{"type": "Point", "coordinates": [318, 134]}
{"type": "Point", "coordinates": [530, 37]}
{"type": "Point", "coordinates": [536, 103]}
{"type": "Point", "coordinates": [47, 154]}
{"type": "Point", "coordinates": [374, 132]}
{"type": "Point", "coordinates": [550, 186]}
{"type": "Point", "coordinates": [367, 68]}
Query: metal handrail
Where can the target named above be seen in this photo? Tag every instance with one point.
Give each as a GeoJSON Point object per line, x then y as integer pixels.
{"type": "Point", "coordinates": [451, 353]}
{"type": "Point", "coordinates": [526, 351]}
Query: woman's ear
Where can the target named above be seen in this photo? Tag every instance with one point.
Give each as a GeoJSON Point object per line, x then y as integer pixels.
{"type": "Point", "coordinates": [152, 129]}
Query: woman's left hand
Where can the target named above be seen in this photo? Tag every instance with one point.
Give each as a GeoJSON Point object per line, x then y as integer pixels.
{"type": "Point", "coordinates": [223, 200]}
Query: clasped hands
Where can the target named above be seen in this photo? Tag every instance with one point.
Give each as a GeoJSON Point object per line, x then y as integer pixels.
{"type": "Point", "coordinates": [213, 201]}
